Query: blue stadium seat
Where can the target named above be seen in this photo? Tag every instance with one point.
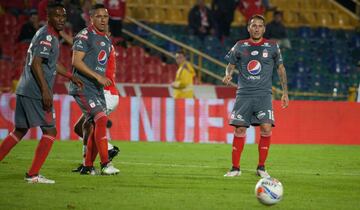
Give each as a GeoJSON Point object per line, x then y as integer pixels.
{"type": "Point", "coordinates": [141, 32]}
{"type": "Point", "coordinates": [305, 32]}
{"type": "Point", "coordinates": [169, 46]}
{"type": "Point", "coordinates": [194, 41]}
{"type": "Point", "coordinates": [323, 32]}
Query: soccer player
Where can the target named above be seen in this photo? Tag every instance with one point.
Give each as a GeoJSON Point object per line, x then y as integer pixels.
{"type": "Point", "coordinates": [34, 96]}
{"type": "Point", "coordinates": [111, 94]}
{"type": "Point", "coordinates": [255, 58]}
{"type": "Point", "coordinates": [183, 84]}
{"type": "Point", "coordinates": [91, 51]}
{"type": "Point", "coordinates": [83, 128]}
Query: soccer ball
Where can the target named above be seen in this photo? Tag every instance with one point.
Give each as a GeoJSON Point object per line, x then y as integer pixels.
{"type": "Point", "coordinates": [269, 191]}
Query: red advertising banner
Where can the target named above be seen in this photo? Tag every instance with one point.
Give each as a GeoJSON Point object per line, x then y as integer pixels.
{"type": "Point", "coordinates": [317, 122]}
{"type": "Point", "coordinates": [202, 121]}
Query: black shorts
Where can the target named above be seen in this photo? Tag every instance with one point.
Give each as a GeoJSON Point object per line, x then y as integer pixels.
{"type": "Point", "coordinates": [252, 110]}
{"type": "Point", "coordinates": [29, 113]}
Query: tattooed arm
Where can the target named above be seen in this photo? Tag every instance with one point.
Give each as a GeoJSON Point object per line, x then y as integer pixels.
{"type": "Point", "coordinates": [228, 73]}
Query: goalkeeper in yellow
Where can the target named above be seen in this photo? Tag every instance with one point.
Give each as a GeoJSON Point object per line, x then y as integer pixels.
{"type": "Point", "coordinates": [183, 85]}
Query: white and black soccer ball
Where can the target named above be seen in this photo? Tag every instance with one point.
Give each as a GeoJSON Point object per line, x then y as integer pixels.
{"type": "Point", "coordinates": [269, 191]}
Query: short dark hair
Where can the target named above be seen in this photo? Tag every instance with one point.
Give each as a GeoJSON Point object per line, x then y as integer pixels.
{"type": "Point", "coordinates": [256, 16]}
{"type": "Point", "coordinates": [95, 7]}
{"type": "Point", "coordinates": [53, 5]}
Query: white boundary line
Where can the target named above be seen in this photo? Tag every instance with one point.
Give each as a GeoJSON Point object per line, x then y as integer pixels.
{"type": "Point", "coordinates": [283, 172]}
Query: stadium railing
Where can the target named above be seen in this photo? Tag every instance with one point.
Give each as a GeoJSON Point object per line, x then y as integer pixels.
{"type": "Point", "coordinates": [203, 56]}
{"type": "Point", "coordinates": [192, 51]}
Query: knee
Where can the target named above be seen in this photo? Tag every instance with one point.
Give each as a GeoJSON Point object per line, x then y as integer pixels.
{"type": "Point", "coordinates": [87, 125]}
{"type": "Point", "coordinates": [20, 132]}
{"type": "Point", "coordinates": [79, 126]}
{"type": "Point", "coordinates": [265, 131]}
{"type": "Point", "coordinates": [240, 132]}
{"type": "Point", "coordinates": [49, 131]}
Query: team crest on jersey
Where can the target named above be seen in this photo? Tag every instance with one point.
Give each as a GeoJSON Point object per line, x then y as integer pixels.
{"type": "Point", "coordinates": [102, 57]}
{"type": "Point", "coordinates": [92, 104]}
{"type": "Point", "coordinates": [254, 67]}
{"type": "Point", "coordinates": [265, 53]}
{"type": "Point", "coordinates": [49, 38]}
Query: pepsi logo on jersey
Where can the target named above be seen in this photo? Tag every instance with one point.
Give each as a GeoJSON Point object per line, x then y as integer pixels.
{"type": "Point", "coordinates": [254, 67]}
{"type": "Point", "coordinates": [102, 57]}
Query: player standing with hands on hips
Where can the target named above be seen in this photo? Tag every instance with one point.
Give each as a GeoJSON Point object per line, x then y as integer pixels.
{"type": "Point", "coordinates": [34, 93]}
{"type": "Point", "coordinates": [255, 59]}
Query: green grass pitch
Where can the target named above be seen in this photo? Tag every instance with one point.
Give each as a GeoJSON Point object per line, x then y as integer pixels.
{"type": "Point", "coordinates": [184, 176]}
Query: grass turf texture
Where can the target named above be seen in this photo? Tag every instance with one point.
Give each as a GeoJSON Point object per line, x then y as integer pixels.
{"type": "Point", "coordinates": [183, 176]}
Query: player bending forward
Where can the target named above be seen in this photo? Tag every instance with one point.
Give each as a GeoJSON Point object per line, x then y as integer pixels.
{"type": "Point", "coordinates": [255, 58]}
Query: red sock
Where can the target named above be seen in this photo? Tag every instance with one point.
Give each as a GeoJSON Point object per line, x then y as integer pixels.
{"type": "Point", "coordinates": [89, 150]}
{"type": "Point", "coordinates": [88, 132]}
{"type": "Point", "coordinates": [263, 148]}
{"type": "Point", "coordinates": [100, 137]}
{"type": "Point", "coordinates": [237, 148]}
{"type": "Point", "coordinates": [8, 143]}
{"type": "Point", "coordinates": [94, 151]}
{"type": "Point", "coordinates": [41, 153]}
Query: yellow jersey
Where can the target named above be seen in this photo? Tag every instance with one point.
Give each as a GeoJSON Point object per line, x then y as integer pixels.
{"type": "Point", "coordinates": [184, 84]}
